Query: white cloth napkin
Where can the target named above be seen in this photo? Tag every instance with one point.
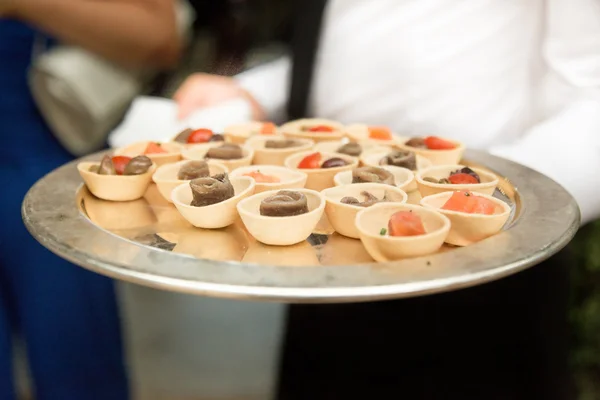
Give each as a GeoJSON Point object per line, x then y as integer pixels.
{"type": "Point", "coordinates": [155, 118]}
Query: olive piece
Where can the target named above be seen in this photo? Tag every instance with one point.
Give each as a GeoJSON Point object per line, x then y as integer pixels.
{"type": "Point", "coordinates": [211, 190]}
{"type": "Point", "coordinates": [217, 137]}
{"type": "Point", "coordinates": [350, 200]}
{"type": "Point", "coordinates": [351, 149]}
{"type": "Point", "coordinates": [334, 163]}
{"type": "Point", "coordinates": [106, 167]}
{"type": "Point", "coordinates": [137, 166]}
{"type": "Point", "coordinates": [469, 171]}
{"type": "Point", "coordinates": [416, 142]}
{"type": "Point", "coordinates": [281, 144]}
{"type": "Point", "coordinates": [372, 174]}
{"type": "Point", "coordinates": [227, 151]}
{"type": "Point", "coordinates": [404, 159]}
{"type": "Point", "coordinates": [370, 199]}
{"type": "Point", "coordinates": [193, 170]}
{"type": "Point", "coordinates": [431, 180]}
{"type": "Point", "coordinates": [286, 203]}
{"type": "Point", "coordinates": [183, 136]}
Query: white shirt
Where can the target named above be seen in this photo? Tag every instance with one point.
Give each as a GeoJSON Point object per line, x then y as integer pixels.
{"type": "Point", "coordinates": [519, 78]}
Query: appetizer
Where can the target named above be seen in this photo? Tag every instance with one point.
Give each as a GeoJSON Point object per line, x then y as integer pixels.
{"type": "Point", "coordinates": [285, 203]}
{"type": "Point", "coordinates": [122, 165]}
{"type": "Point", "coordinates": [466, 202]}
{"type": "Point", "coordinates": [282, 143]}
{"type": "Point", "coordinates": [211, 190]}
{"type": "Point", "coordinates": [462, 176]}
{"type": "Point", "coordinates": [193, 170]}
{"type": "Point", "coordinates": [313, 128]}
{"type": "Point", "coordinates": [445, 178]}
{"type": "Point", "coordinates": [159, 153]}
{"type": "Point", "coordinates": [190, 136]}
{"type": "Point", "coordinates": [372, 175]}
{"type": "Point", "coordinates": [404, 223]}
{"type": "Point", "coordinates": [438, 150]}
{"type": "Point", "coordinates": [430, 143]}
{"type": "Point", "coordinates": [168, 177]}
{"type": "Point", "coordinates": [239, 133]}
{"type": "Point", "coordinates": [373, 133]}
{"type": "Point", "coordinates": [227, 151]}
{"type": "Point", "coordinates": [314, 161]}
{"type": "Point", "coordinates": [400, 158]}
{"type": "Point", "coordinates": [351, 149]}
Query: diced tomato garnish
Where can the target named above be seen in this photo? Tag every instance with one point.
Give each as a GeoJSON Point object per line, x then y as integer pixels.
{"type": "Point", "coordinates": [462, 178]}
{"type": "Point", "coordinates": [259, 177]}
{"type": "Point", "coordinates": [120, 162]}
{"type": "Point", "coordinates": [405, 223]}
{"type": "Point", "coordinates": [380, 133]}
{"type": "Point", "coordinates": [311, 161]}
{"type": "Point", "coordinates": [467, 202]}
{"type": "Point", "coordinates": [154, 148]}
{"type": "Point", "coordinates": [321, 128]}
{"type": "Point", "coordinates": [481, 205]}
{"type": "Point", "coordinates": [200, 136]}
{"type": "Point", "coordinates": [436, 143]}
{"type": "Point", "coordinates": [268, 128]}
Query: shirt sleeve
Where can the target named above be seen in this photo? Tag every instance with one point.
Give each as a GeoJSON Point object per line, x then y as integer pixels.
{"type": "Point", "coordinates": [566, 145]}
{"type": "Point", "coordinates": [269, 85]}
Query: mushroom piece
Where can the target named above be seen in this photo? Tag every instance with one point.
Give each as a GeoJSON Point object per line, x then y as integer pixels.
{"type": "Point", "coordinates": [286, 203]}
{"type": "Point", "coordinates": [416, 142]}
{"type": "Point", "coordinates": [370, 199]}
{"type": "Point", "coordinates": [227, 151]}
{"type": "Point", "coordinates": [399, 158]}
{"type": "Point", "coordinates": [183, 136]}
{"type": "Point", "coordinates": [468, 171]}
{"type": "Point", "coordinates": [193, 170]}
{"type": "Point", "coordinates": [373, 175]}
{"type": "Point", "coordinates": [334, 163]}
{"type": "Point", "coordinates": [137, 166]}
{"type": "Point", "coordinates": [217, 137]}
{"type": "Point", "coordinates": [281, 144]}
{"type": "Point", "coordinates": [211, 190]}
{"type": "Point", "coordinates": [351, 149]}
{"type": "Point", "coordinates": [106, 167]}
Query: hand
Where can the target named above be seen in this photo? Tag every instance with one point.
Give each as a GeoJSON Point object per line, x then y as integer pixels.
{"type": "Point", "coordinates": [205, 90]}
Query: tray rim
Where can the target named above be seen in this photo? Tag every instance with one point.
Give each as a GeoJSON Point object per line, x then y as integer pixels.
{"type": "Point", "coordinates": [562, 215]}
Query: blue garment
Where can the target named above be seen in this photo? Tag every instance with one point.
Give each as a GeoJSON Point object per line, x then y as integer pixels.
{"type": "Point", "coordinates": [67, 316]}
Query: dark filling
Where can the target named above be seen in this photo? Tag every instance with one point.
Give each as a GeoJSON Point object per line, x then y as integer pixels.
{"type": "Point", "coordinates": [227, 151]}
{"type": "Point", "coordinates": [285, 203]}
{"type": "Point", "coordinates": [417, 142]}
{"type": "Point", "coordinates": [211, 190]}
{"type": "Point", "coordinates": [465, 170]}
{"type": "Point", "coordinates": [183, 136]}
{"type": "Point", "coordinates": [193, 170]}
{"type": "Point", "coordinates": [368, 202]}
{"type": "Point", "coordinates": [217, 137]}
{"type": "Point", "coordinates": [351, 149]}
{"type": "Point", "coordinates": [334, 163]}
{"type": "Point", "coordinates": [137, 166]}
{"type": "Point", "coordinates": [281, 144]}
{"type": "Point", "coordinates": [404, 159]}
{"type": "Point", "coordinates": [106, 167]}
{"type": "Point", "coordinates": [372, 175]}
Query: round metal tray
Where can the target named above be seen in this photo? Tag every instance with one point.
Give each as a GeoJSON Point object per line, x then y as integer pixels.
{"type": "Point", "coordinates": [147, 242]}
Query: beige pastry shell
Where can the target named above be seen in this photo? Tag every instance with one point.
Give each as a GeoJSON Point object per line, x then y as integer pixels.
{"type": "Point", "coordinates": [469, 228]}
{"type": "Point", "coordinates": [360, 133]}
{"type": "Point", "coordinates": [198, 151]}
{"type": "Point", "coordinates": [403, 177]}
{"type": "Point", "coordinates": [115, 187]}
{"type": "Point", "coordinates": [172, 155]}
{"type": "Point", "coordinates": [372, 159]}
{"type": "Point", "coordinates": [320, 178]}
{"type": "Point", "coordinates": [166, 180]}
{"type": "Point", "coordinates": [288, 178]}
{"type": "Point", "coordinates": [438, 157]}
{"type": "Point", "coordinates": [239, 133]}
{"type": "Point", "coordinates": [384, 248]}
{"type": "Point", "coordinates": [342, 216]}
{"type": "Point", "coordinates": [488, 184]}
{"type": "Point", "coordinates": [217, 215]}
{"type": "Point", "coordinates": [293, 130]}
{"type": "Point", "coordinates": [281, 231]}
{"type": "Point", "coordinates": [264, 156]}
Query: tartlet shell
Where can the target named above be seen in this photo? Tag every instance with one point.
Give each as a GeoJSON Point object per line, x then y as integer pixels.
{"type": "Point", "coordinates": [289, 179]}
{"type": "Point", "coordinates": [488, 184]}
{"type": "Point", "coordinates": [166, 180]}
{"type": "Point", "coordinates": [320, 178]}
{"type": "Point", "coordinates": [115, 187]}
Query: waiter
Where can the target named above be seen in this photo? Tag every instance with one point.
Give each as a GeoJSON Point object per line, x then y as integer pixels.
{"type": "Point", "coordinates": [520, 79]}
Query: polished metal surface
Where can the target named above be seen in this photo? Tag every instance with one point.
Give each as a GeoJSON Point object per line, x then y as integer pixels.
{"type": "Point", "coordinates": [147, 242]}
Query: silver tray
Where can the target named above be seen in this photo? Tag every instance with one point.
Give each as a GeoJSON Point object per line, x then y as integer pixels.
{"type": "Point", "coordinates": [147, 242]}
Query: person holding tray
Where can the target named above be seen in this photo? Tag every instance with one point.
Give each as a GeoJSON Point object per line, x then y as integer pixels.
{"type": "Point", "coordinates": [519, 79]}
{"type": "Point", "coordinates": [67, 316]}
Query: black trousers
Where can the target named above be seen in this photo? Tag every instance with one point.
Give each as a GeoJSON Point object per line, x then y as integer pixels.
{"type": "Point", "coordinates": [503, 340]}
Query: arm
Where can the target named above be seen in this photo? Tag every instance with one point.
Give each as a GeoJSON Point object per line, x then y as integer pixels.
{"type": "Point", "coordinates": [132, 32]}
{"type": "Point", "coordinates": [566, 146]}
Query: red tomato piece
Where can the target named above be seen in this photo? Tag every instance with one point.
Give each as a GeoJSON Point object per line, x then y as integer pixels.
{"type": "Point", "coordinates": [405, 223]}
{"type": "Point", "coordinates": [436, 143]}
{"type": "Point", "coordinates": [481, 205]}
{"type": "Point", "coordinates": [380, 133]}
{"type": "Point", "coordinates": [200, 136]}
{"type": "Point", "coordinates": [259, 177]}
{"type": "Point", "coordinates": [462, 179]}
{"type": "Point", "coordinates": [311, 161]}
{"type": "Point", "coordinates": [321, 128]}
{"type": "Point", "coordinates": [154, 148]}
{"type": "Point", "coordinates": [120, 162]}
{"type": "Point", "coordinates": [467, 202]}
{"type": "Point", "coordinates": [268, 128]}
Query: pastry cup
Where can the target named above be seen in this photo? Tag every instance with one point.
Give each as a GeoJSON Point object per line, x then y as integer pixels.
{"type": "Point", "coordinates": [404, 177]}
{"type": "Point", "coordinates": [371, 220]}
{"type": "Point", "coordinates": [264, 156]}
{"type": "Point", "coordinates": [438, 157]}
{"type": "Point", "coordinates": [342, 216]}
{"type": "Point", "coordinates": [468, 228]}
{"type": "Point", "coordinates": [487, 186]}
{"type": "Point", "coordinates": [281, 231]}
{"type": "Point", "coordinates": [372, 159]}
{"type": "Point", "coordinates": [239, 133]}
{"type": "Point", "coordinates": [172, 155]}
{"type": "Point", "coordinates": [198, 151]}
{"type": "Point", "coordinates": [360, 133]}
{"type": "Point", "coordinates": [214, 216]}
{"type": "Point", "coordinates": [166, 180]}
{"type": "Point", "coordinates": [293, 129]}
{"type": "Point", "coordinates": [289, 179]}
{"type": "Point", "coordinates": [115, 187]}
{"type": "Point", "coordinates": [320, 178]}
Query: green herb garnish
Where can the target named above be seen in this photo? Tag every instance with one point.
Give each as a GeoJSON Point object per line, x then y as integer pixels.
{"type": "Point", "coordinates": [383, 231]}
